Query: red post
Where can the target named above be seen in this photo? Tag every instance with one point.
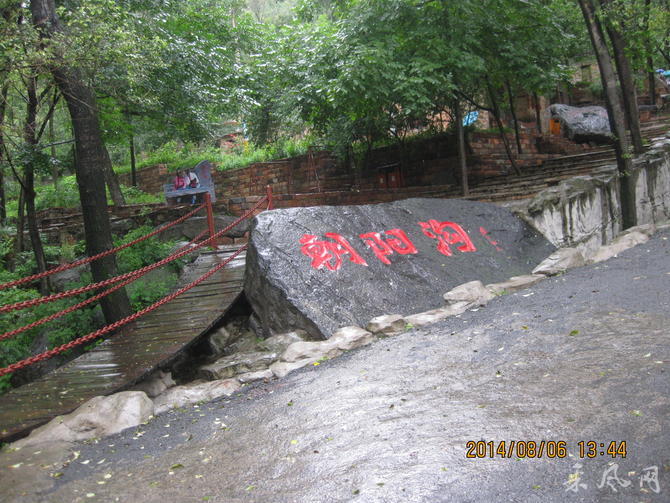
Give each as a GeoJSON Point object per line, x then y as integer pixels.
{"type": "Point", "coordinates": [269, 195]}
{"type": "Point", "coordinates": [210, 219]}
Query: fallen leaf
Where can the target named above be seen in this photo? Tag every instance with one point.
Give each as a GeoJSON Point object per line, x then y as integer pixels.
{"type": "Point", "coordinates": [176, 465]}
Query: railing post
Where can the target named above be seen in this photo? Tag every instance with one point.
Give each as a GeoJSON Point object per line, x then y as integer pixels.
{"type": "Point", "coordinates": [210, 219]}
{"type": "Point", "coordinates": [269, 195]}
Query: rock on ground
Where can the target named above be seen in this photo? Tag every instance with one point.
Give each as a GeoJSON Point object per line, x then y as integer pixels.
{"type": "Point", "coordinates": [583, 124]}
{"type": "Point", "coordinates": [388, 324]}
{"type": "Point", "coordinates": [515, 283]}
{"type": "Point", "coordinates": [620, 243]}
{"type": "Point", "coordinates": [321, 268]}
{"type": "Point", "coordinates": [560, 261]}
{"type": "Point", "coordinates": [472, 292]}
{"type": "Point", "coordinates": [99, 417]}
{"type": "Point", "coordinates": [180, 396]}
{"type": "Point", "coordinates": [239, 363]}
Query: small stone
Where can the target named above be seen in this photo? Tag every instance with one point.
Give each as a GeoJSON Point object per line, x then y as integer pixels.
{"type": "Point", "coordinates": [560, 261]}
{"type": "Point", "coordinates": [179, 396]}
{"type": "Point", "coordinates": [515, 283]}
{"type": "Point", "coordinates": [472, 292]}
{"type": "Point", "coordinates": [388, 324]}
{"type": "Point", "coordinates": [278, 343]}
{"type": "Point", "coordinates": [219, 339]}
{"type": "Point", "coordinates": [435, 315]}
{"type": "Point", "coordinates": [281, 369]}
{"type": "Point", "coordinates": [619, 244]}
{"type": "Point", "coordinates": [228, 366]}
{"type": "Point", "coordinates": [255, 376]}
{"type": "Point", "coordinates": [352, 337]}
{"type": "Point", "coordinates": [310, 350]}
{"type": "Point", "coordinates": [155, 384]}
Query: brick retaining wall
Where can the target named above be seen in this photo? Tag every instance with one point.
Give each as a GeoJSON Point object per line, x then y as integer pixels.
{"type": "Point", "coordinates": [319, 178]}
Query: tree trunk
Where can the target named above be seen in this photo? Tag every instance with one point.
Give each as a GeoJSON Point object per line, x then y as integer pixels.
{"type": "Point", "coordinates": [54, 166]}
{"type": "Point", "coordinates": [30, 139]}
{"type": "Point", "coordinates": [460, 137]}
{"type": "Point", "coordinates": [615, 113]}
{"type": "Point", "coordinates": [3, 107]}
{"type": "Point", "coordinates": [517, 136]}
{"type": "Point", "coordinates": [651, 74]}
{"type": "Point", "coordinates": [133, 167]}
{"type": "Point", "coordinates": [91, 155]}
{"type": "Point", "coordinates": [628, 91]}
{"type": "Point", "coordinates": [112, 182]}
{"type": "Point", "coordinates": [538, 114]}
{"type": "Point", "coordinates": [20, 222]}
{"type": "Point", "coordinates": [503, 136]}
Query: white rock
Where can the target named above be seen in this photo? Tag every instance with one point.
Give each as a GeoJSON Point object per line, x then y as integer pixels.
{"type": "Point", "coordinates": [255, 376]}
{"type": "Point", "coordinates": [310, 350]}
{"type": "Point", "coordinates": [99, 417]}
{"type": "Point", "coordinates": [388, 324]}
{"type": "Point", "coordinates": [278, 343]}
{"type": "Point", "coordinates": [619, 244]}
{"type": "Point", "coordinates": [515, 283]}
{"type": "Point", "coordinates": [435, 315]}
{"type": "Point", "coordinates": [281, 369]}
{"type": "Point", "coordinates": [180, 396]}
{"type": "Point", "coordinates": [239, 363]}
{"type": "Point", "coordinates": [155, 384]}
{"type": "Point", "coordinates": [219, 339]}
{"type": "Point", "coordinates": [472, 292]}
{"type": "Point", "coordinates": [560, 261]}
{"type": "Point", "coordinates": [351, 337]}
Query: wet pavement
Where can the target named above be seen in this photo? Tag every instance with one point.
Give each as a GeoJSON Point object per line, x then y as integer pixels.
{"type": "Point", "coordinates": [582, 357]}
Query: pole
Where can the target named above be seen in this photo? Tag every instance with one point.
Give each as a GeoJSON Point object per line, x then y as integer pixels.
{"type": "Point", "coordinates": [269, 195]}
{"type": "Point", "coordinates": [210, 219]}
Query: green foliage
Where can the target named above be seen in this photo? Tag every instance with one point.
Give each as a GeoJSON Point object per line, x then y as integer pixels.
{"type": "Point", "coordinates": [82, 321]}
{"type": "Point", "coordinates": [141, 254]}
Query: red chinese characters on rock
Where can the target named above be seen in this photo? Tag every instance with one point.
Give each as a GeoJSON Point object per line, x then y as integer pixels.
{"type": "Point", "coordinates": [399, 243]}
{"type": "Point", "coordinates": [329, 253]}
{"type": "Point", "coordinates": [447, 233]}
{"type": "Point", "coordinates": [493, 243]}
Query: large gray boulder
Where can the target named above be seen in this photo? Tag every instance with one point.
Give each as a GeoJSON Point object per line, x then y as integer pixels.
{"type": "Point", "coordinates": [583, 124]}
{"type": "Point", "coordinates": [318, 269]}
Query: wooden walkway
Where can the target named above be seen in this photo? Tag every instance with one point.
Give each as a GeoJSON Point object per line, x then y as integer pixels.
{"type": "Point", "coordinates": [131, 354]}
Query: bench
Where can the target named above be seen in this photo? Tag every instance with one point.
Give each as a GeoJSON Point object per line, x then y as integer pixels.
{"type": "Point", "coordinates": [203, 170]}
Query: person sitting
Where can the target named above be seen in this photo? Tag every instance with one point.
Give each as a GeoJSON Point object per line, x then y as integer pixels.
{"type": "Point", "coordinates": [193, 183]}
{"type": "Point", "coordinates": [180, 182]}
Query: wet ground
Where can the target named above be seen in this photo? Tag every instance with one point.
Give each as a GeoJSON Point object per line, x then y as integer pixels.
{"type": "Point", "coordinates": [583, 357]}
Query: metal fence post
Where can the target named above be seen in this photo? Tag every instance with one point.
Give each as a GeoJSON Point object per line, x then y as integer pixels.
{"type": "Point", "coordinates": [210, 219]}
{"type": "Point", "coordinates": [269, 195]}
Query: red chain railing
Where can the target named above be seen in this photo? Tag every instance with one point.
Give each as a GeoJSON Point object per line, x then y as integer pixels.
{"type": "Point", "coordinates": [122, 277]}
{"type": "Point", "coordinates": [122, 281]}
{"type": "Point", "coordinates": [106, 253]}
{"type": "Point", "coordinates": [88, 301]}
{"type": "Point", "coordinates": [116, 325]}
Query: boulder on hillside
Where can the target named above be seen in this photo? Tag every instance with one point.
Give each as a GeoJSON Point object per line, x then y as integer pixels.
{"type": "Point", "coordinates": [583, 124]}
{"type": "Point", "coordinates": [320, 268]}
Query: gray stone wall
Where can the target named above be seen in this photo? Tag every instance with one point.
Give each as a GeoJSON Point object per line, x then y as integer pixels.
{"type": "Point", "coordinates": [584, 212]}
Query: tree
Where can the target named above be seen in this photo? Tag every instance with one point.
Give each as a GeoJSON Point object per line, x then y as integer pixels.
{"type": "Point", "coordinates": [91, 153]}
{"type": "Point", "coordinates": [615, 112]}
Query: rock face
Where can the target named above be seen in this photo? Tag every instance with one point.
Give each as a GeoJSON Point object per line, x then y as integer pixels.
{"type": "Point", "coordinates": [583, 124]}
{"type": "Point", "coordinates": [321, 268]}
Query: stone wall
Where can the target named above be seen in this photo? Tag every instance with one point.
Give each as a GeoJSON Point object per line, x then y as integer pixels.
{"type": "Point", "coordinates": [425, 163]}
{"type": "Point", "coordinates": [584, 212]}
